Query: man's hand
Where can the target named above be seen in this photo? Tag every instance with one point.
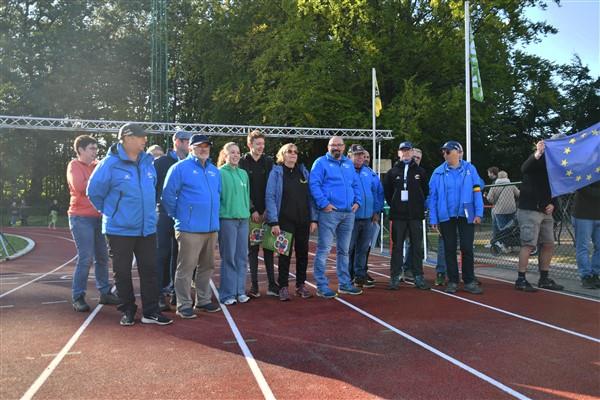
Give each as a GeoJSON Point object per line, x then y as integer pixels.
{"type": "Point", "coordinates": [313, 227]}
{"type": "Point", "coordinates": [435, 228]}
{"type": "Point", "coordinates": [275, 230]}
{"type": "Point", "coordinates": [329, 208]}
{"type": "Point", "coordinates": [549, 209]}
{"type": "Point", "coordinates": [375, 218]}
{"type": "Point", "coordinates": [355, 207]}
{"type": "Point", "coordinates": [256, 217]}
{"type": "Point", "coordinates": [477, 220]}
{"type": "Point", "coordinates": [539, 149]}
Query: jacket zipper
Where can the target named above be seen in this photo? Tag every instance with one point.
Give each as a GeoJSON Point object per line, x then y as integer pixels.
{"type": "Point", "coordinates": [117, 206]}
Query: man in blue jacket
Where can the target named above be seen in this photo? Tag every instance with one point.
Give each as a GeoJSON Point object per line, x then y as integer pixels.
{"type": "Point", "coordinates": [334, 188]}
{"type": "Point", "coordinates": [372, 204]}
{"type": "Point", "coordinates": [191, 196]}
{"type": "Point", "coordinates": [122, 188]}
{"type": "Point", "coordinates": [455, 202]}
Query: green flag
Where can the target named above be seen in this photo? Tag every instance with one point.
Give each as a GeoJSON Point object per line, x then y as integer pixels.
{"type": "Point", "coordinates": [476, 86]}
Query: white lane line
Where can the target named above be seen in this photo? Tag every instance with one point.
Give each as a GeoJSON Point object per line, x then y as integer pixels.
{"type": "Point", "coordinates": [258, 375]}
{"type": "Point", "coordinates": [59, 357]}
{"type": "Point", "coordinates": [37, 279]}
{"type": "Point", "coordinates": [8, 306]}
{"type": "Point", "coordinates": [72, 353]}
{"type": "Point", "coordinates": [54, 302]}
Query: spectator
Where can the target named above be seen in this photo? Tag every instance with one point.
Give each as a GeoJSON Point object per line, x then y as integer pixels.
{"type": "Point", "coordinates": [53, 214]}
{"type": "Point", "coordinates": [586, 220]}
{"type": "Point", "coordinates": [23, 212]}
{"type": "Point", "coordinates": [15, 213]}
{"type": "Point", "coordinates": [155, 151]}
{"type": "Point", "coordinates": [504, 198]}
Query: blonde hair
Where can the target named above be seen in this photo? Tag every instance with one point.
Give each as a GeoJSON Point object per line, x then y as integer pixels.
{"type": "Point", "coordinates": [282, 150]}
{"type": "Point", "coordinates": [224, 152]}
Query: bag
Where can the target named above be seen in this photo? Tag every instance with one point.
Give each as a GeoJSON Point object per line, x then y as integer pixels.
{"type": "Point", "coordinates": [257, 233]}
{"type": "Point", "coordinates": [281, 244]}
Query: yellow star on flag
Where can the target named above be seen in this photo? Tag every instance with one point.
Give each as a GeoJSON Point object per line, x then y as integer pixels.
{"type": "Point", "coordinates": [598, 170]}
{"type": "Point", "coordinates": [572, 141]}
{"type": "Point", "coordinates": [564, 163]}
{"type": "Point", "coordinates": [569, 173]}
{"type": "Point", "coordinates": [583, 135]}
{"type": "Point", "coordinates": [595, 132]}
{"type": "Point", "coordinates": [578, 178]}
{"type": "Point", "coordinates": [589, 177]}
{"type": "Point", "coordinates": [567, 150]}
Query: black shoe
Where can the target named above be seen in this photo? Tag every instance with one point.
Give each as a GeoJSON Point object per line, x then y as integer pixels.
{"type": "Point", "coordinates": [162, 304]}
{"type": "Point", "coordinates": [156, 318]}
{"type": "Point", "coordinates": [394, 283]}
{"type": "Point", "coordinates": [173, 300]}
{"type": "Point", "coordinates": [359, 282]}
{"type": "Point", "coordinates": [185, 313]}
{"type": "Point", "coordinates": [273, 290]}
{"type": "Point", "coordinates": [451, 288]}
{"type": "Point", "coordinates": [588, 282]}
{"type": "Point", "coordinates": [80, 305]}
{"type": "Point", "coordinates": [472, 288]}
{"type": "Point", "coordinates": [596, 280]}
{"type": "Point", "coordinates": [421, 283]}
{"type": "Point", "coordinates": [128, 318]}
{"type": "Point", "coordinates": [370, 279]}
{"type": "Point", "coordinates": [522, 284]}
{"type": "Point", "coordinates": [254, 292]}
{"type": "Point", "coordinates": [209, 308]}
{"type": "Point", "coordinates": [547, 283]}
{"type": "Point", "coordinates": [109, 298]}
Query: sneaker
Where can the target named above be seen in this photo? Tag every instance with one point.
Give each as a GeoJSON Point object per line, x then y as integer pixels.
{"type": "Point", "coordinates": [522, 284]}
{"type": "Point", "coordinates": [326, 293]}
{"type": "Point", "coordinates": [80, 305]}
{"type": "Point", "coordinates": [303, 292]}
{"type": "Point", "coordinates": [421, 283]}
{"type": "Point", "coordinates": [440, 279]}
{"type": "Point", "coordinates": [407, 275]}
{"type": "Point", "coordinates": [370, 279]}
{"type": "Point", "coordinates": [156, 318]}
{"type": "Point", "coordinates": [477, 281]}
{"type": "Point", "coordinates": [173, 300]}
{"type": "Point", "coordinates": [109, 298]}
{"type": "Point", "coordinates": [353, 290]}
{"type": "Point", "coordinates": [359, 282]}
{"type": "Point", "coordinates": [597, 280]}
{"type": "Point", "coordinates": [162, 304]}
{"type": "Point", "coordinates": [451, 288]}
{"type": "Point", "coordinates": [242, 298]}
{"type": "Point", "coordinates": [253, 292]}
{"type": "Point", "coordinates": [547, 283]}
{"type": "Point", "coordinates": [273, 290]}
{"type": "Point", "coordinates": [128, 318]}
{"type": "Point", "coordinates": [230, 301]}
{"type": "Point", "coordinates": [186, 313]}
{"type": "Point", "coordinates": [472, 288]}
{"type": "Point", "coordinates": [284, 294]}
{"type": "Point", "coordinates": [588, 282]}
{"type": "Point", "coordinates": [394, 283]}
{"type": "Point", "coordinates": [209, 308]}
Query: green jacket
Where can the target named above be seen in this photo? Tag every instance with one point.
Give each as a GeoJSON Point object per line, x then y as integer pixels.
{"type": "Point", "coordinates": [235, 193]}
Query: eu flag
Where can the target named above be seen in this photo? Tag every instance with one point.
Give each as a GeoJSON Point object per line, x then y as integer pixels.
{"type": "Point", "coordinates": [573, 161]}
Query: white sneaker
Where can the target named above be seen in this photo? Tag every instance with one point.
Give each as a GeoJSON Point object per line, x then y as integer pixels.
{"type": "Point", "coordinates": [243, 298]}
{"type": "Point", "coordinates": [230, 302]}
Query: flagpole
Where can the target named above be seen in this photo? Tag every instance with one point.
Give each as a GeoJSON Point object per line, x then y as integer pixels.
{"type": "Point", "coordinates": [467, 80]}
{"type": "Point", "coordinates": [373, 77]}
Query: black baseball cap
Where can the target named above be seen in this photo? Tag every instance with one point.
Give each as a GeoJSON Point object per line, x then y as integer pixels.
{"type": "Point", "coordinates": [356, 148]}
{"type": "Point", "coordinates": [199, 138]}
{"type": "Point", "coordinates": [131, 129]}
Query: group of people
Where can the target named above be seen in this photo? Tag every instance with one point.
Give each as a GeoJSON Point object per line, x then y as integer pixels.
{"type": "Point", "coordinates": [169, 213]}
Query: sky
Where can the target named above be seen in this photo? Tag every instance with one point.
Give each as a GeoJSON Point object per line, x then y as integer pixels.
{"type": "Point", "coordinates": [578, 24]}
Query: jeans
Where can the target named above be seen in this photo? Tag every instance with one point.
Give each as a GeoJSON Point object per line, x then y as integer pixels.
{"type": "Point", "coordinates": [122, 249]}
{"type": "Point", "coordinates": [400, 229]}
{"type": "Point", "coordinates": [166, 251]}
{"type": "Point", "coordinates": [500, 221]}
{"type": "Point", "coordinates": [466, 235]}
{"type": "Point", "coordinates": [233, 247]}
{"type": "Point", "coordinates": [587, 231]}
{"type": "Point", "coordinates": [91, 246]}
{"type": "Point", "coordinates": [360, 242]}
{"type": "Point", "coordinates": [340, 224]}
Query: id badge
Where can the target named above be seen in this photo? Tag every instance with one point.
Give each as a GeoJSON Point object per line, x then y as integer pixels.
{"type": "Point", "coordinates": [404, 195]}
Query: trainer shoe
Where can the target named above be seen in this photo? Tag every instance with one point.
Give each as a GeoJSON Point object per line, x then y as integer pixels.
{"type": "Point", "coordinates": [394, 283]}
{"type": "Point", "coordinates": [473, 288]}
{"type": "Point", "coordinates": [162, 304]}
{"type": "Point", "coordinates": [273, 290]}
{"type": "Point", "coordinates": [407, 275]}
{"type": "Point", "coordinates": [173, 300]}
{"type": "Point", "coordinates": [359, 282]}
{"type": "Point", "coordinates": [522, 284]}
{"type": "Point", "coordinates": [353, 290]}
{"type": "Point", "coordinates": [156, 318]}
{"type": "Point", "coordinates": [588, 282]}
{"type": "Point", "coordinates": [230, 301]}
{"type": "Point", "coordinates": [109, 298]}
{"type": "Point", "coordinates": [370, 279]}
{"type": "Point", "coordinates": [421, 283]}
{"type": "Point", "coordinates": [128, 318]}
{"type": "Point", "coordinates": [209, 308]}
{"type": "Point", "coordinates": [326, 293]}
{"type": "Point", "coordinates": [186, 313]}
{"type": "Point", "coordinates": [302, 291]}
{"type": "Point", "coordinates": [597, 280]}
{"type": "Point", "coordinates": [284, 294]}
{"type": "Point", "coordinates": [547, 283]}
{"type": "Point", "coordinates": [80, 305]}
{"type": "Point", "coordinates": [242, 298]}
{"type": "Point", "coordinates": [253, 292]}
{"type": "Point", "coordinates": [451, 288]}
{"type": "Point", "coordinates": [440, 279]}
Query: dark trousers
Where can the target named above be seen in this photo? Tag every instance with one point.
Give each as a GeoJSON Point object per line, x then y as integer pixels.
{"type": "Point", "coordinates": [466, 235]}
{"type": "Point", "coordinates": [253, 261]}
{"type": "Point", "coordinates": [301, 234]}
{"type": "Point", "coordinates": [413, 229]}
{"type": "Point", "coordinates": [121, 249]}
{"type": "Point", "coordinates": [166, 251]}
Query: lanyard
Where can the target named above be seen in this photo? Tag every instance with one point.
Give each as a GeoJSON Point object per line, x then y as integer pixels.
{"type": "Point", "coordinates": [405, 174]}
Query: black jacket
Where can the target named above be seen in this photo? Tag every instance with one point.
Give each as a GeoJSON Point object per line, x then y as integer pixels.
{"type": "Point", "coordinates": [417, 186]}
{"type": "Point", "coordinates": [586, 202]}
{"type": "Point", "coordinates": [162, 165]}
{"type": "Point", "coordinates": [258, 174]}
{"type": "Point", "coordinates": [535, 188]}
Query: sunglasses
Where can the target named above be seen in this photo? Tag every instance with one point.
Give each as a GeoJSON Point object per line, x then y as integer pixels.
{"type": "Point", "coordinates": [445, 151]}
{"type": "Point", "coordinates": [290, 151]}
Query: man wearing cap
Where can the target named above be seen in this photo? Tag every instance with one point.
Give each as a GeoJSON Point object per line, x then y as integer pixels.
{"type": "Point", "coordinates": [456, 204]}
{"type": "Point", "coordinates": [191, 197]}
{"type": "Point", "coordinates": [334, 187]}
{"type": "Point", "coordinates": [122, 188]}
{"type": "Point", "coordinates": [368, 213]}
{"type": "Point", "coordinates": [406, 190]}
{"type": "Point", "coordinates": [166, 253]}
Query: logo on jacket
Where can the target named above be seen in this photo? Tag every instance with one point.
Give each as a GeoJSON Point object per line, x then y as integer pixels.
{"type": "Point", "coordinates": [127, 177]}
{"type": "Point", "coordinates": [417, 176]}
{"type": "Point", "coordinates": [211, 173]}
{"type": "Point", "coordinates": [195, 172]}
{"type": "Point", "coordinates": [150, 175]}
{"type": "Point", "coordinates": [346, 166]}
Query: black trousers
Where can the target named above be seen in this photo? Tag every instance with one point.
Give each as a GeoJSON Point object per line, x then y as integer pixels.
{"type": "Point", "coordinates": [121, 249]}
{"type": "Point", "coordinates": [466, 235]}
{"type": "Point", "coordinates": [253, 261]}
{"type": "Point", "coordinates": [413, 228]}
{"type": "Point", "coordinates": [301, 232]}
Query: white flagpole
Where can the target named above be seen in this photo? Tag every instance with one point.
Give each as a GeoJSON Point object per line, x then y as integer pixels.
{"type": "Point", "coordinates": [374, 153]}
{"type": "Point", "coordinates": [468, 79]}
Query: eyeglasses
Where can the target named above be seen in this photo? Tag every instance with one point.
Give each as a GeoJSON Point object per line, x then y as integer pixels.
{"type": "Point", "coordinates": [290, 151]}
{"type": "Point", "coordinates": [446, 151]}
{"type": "Point", "coordinates": [336, 144]}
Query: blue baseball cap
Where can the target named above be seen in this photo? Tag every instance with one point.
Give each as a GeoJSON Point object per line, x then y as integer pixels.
{"type": "Point", "coordinates": [182, 135]}
{"type": "Point", "coordinates": [452, 145]}
{"type": "Point", "coordinates": [405, 145]}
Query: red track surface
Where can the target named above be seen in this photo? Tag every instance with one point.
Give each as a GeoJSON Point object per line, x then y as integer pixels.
{"type": "Point", "coordinates": [305, 349]}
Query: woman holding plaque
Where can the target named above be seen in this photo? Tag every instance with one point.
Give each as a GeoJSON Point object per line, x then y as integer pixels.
{"type": "Point", "coordinates": [290, 209]}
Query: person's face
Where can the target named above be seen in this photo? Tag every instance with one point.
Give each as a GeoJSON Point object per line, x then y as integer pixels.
{"type": "Point", "coordinates": [257, 147]}
{"type": "Point", "coordinates": [233, 156]}
{"type": "Point", "coordinates": [491, 174]}
{"type": "Point", "coordinates": [290, 156]}
{"type": "Point", "coordinates": [367, 158]}
{"type": "Point", "coordinates": [405, 154]}
{"type": "Point", "coordinates": [336, 147]}
{"type": "Point", "coordinates": [89, 153]}
{"type": "Point", "coordinates": [202, 151]}
{"type": "Point", "coordinates": [182, 145]}
{"type": "Point", "coordinates": [417, 156]}
{"type": "Point", "coordinates": [451, 156]}
{"type": "Point", "coordinates": [135, 143]}
{"type": "Point", "coordinates": [358, 159]}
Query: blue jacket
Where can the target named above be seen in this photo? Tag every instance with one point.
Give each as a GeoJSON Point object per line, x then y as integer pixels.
{"type": "Point", "coordinates": [191, 195]}
{"type": "Point", "coordinates": [468, 201]}
{"type": "Point", "coordinates": [371, 191]}
{"type": "Point", "coordinates": [274, 194]}
{"type": "Point", "coordinates": [124, 192]}
{"type": "Point", "coordinates": [334, 181]}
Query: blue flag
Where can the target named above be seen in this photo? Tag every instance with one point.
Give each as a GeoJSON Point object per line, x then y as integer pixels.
{"type": "Point", "coordinates": [573, 161]}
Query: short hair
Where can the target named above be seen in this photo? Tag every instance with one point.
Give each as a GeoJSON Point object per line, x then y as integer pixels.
{"type": "Point", "coordinates": [83, 141]}
{"type": "Point", "coordinates": [417, 150]}
{"type": "Point", "coordinates": [493, 170]}
{"type": "Point", "coordinates": [154, 148]}
{"type": "Point", "coordinates": [252, 136]}
{"type": "Point", "coordinates": [224, 151]}
{"type": "Point", "coordinates": [282, 150]}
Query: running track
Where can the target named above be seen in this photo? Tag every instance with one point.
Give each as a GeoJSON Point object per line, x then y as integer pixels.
{"type": "Point", "coordinates": [406, 344]}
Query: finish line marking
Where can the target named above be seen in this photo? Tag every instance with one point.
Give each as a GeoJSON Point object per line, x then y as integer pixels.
{"type": "Point", "coordinates": [38, 278]}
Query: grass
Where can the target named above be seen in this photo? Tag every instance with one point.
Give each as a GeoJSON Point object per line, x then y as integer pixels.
{"type": "Point", "coordinates": [16, 242]}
